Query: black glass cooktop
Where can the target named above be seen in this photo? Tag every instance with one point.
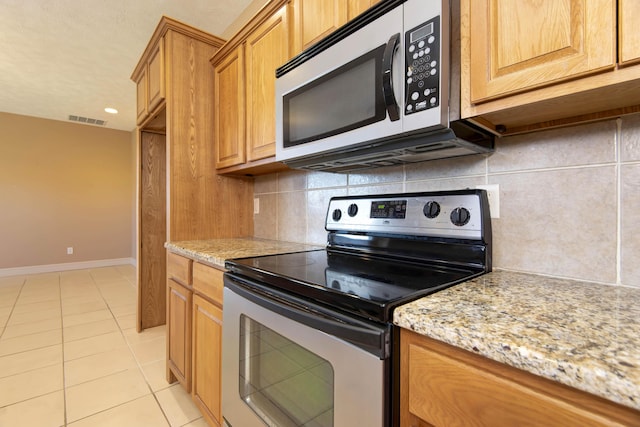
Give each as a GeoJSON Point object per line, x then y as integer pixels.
{"type": "Point", "coordinates": [367, 286]}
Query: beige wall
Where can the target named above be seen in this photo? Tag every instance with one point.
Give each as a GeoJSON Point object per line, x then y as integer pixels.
{"type": "Point", "coordinates": [569, 199]}
{"type": "Point", "coordinates": [64, 184]}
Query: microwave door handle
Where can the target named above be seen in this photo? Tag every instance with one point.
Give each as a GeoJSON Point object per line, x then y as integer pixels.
{"type": "Point", "coordinates": [387, 83]}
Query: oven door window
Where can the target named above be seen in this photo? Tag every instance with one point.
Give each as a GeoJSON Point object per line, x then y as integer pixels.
{"type": "Point", "coordinates": [283, 383]}
{"type": "Point", "coordinates": [347, 98]}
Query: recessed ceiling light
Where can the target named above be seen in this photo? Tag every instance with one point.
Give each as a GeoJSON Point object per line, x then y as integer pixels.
{"type": "Point", "coordinates": [111, 110]}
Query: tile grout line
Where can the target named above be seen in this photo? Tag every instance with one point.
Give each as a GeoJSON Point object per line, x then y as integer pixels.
{"type": "Point", "coordinates": [64, 377]}
{"type": "Point", "coordinates": [13, 307]}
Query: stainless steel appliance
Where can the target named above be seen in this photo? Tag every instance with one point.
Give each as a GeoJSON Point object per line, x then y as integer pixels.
{"type": "Point", "coordinates": [308, 338]}
{"type": "Point", "coordinates": [382, 90]}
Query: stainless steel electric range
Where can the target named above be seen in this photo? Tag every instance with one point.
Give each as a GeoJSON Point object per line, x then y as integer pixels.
{"type": "Point", "coordinates": [308, 338]}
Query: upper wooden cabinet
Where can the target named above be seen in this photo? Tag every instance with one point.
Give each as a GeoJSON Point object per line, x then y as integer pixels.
{"type": "Point", "coordinates": [629, 23]}
{"type": "Point", "coordinates": [266, 48]}
{"type": "Point", "coordinates": [315, 19]}
{"type": "Point", "coordinates": [541, 63]}
{"type": "Point", "coordinates": [529, 43]}
{"type": "Point", "coordinates": [150, 82]}
{"type": "Point", "coordinates": [228, 113]}
{"type": "Point", "coordinates": [244, 93]}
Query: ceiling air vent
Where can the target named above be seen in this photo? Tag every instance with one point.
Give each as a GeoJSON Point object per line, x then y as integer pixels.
{"type": "Point", "coordinates": [87, 120]}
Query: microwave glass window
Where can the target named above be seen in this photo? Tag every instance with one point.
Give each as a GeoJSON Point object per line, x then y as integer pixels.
{"type": "Point", "coordinates": [347, 98]}
{"type": "Point", "coordinates": [282, 382]}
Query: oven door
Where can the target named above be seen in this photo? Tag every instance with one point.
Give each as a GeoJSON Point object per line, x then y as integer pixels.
{"type": "Point", "coordinates": [284, 365]}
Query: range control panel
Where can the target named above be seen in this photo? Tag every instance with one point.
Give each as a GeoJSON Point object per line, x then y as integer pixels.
{"type": "Point", "coordinates": [422, 74]}
{"type": "Point", "coordinates": [457, 214]}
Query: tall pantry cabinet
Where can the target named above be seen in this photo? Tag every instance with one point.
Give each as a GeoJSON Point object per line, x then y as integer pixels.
{"type": "Point", "coordinates": [180, 197]}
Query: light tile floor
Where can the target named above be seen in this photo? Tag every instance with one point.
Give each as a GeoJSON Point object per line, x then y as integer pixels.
{"type": "Point", "coordinates": [70, 355]}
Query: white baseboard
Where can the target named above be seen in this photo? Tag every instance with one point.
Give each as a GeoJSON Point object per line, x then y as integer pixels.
{"type": "Point", "coordinates": [50, 268]}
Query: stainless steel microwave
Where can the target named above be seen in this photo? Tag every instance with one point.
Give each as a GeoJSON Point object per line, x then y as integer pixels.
{"type": "Point", "coordinates": [380, 91]}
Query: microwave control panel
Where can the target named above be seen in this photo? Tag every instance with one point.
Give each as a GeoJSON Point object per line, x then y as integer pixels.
{"type": "Point", "coordinates": [422, 74]}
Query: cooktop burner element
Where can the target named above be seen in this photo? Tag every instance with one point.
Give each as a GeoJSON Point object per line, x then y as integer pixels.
{"type": "Point", "coordinates": [384, 251]}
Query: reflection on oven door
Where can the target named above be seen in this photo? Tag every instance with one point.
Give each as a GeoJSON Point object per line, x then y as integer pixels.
{"type": "Point", "coordinates": [280, 372]}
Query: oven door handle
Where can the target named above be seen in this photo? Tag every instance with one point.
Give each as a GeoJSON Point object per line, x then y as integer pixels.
{"type": "Point", "coordinates": [374, 339]}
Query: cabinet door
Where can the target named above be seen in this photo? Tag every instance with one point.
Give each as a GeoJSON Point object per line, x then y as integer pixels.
{"type": "Point", "coordinates": [156, 76]}
{"type": "Point", "coordinates": [229, 110]}
{"type": "Point", "coordinates": [516, 46]}
{"type": "Point", "coordinates": [207, 359]}
{"type": "Point", "coordinates": [179, 300]}
{"type": "Point", "coordinates": [141, 97]}
{"type": "Point", "coordinates": [315, 19]}
{"type": "Point", "coordinates": [356, 7]}
{"type": "Point", "coordinates": [629, 36]}
{"type": "Point", "coordinates": [442, 386]}
{"type": "Point", "coordinates": [266, 49]}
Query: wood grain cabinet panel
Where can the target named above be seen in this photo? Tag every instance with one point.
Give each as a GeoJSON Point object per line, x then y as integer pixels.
{"type": "Point", "coordinates": [229, 113]}
{"type": "Point", "coordinates": [179, 305]}
{"type": "Point", "coordinates": [517, 46]}
{"type": "Point", "coordinates": [142, 96]}
{"type": "Point", "coordinates": [443, 386]}
{"type": "Point", "coordinates": [156, 76]}
{"type": "Point", "coordinates": [208, 281]}
{"type": "Point", "coordinates": [180, 193]}
{"type": "Point", "coordinates": [316, 19]}
{"type": "Point", "coordinates": [356, 7]}
{"type": "Point", "coordinates": [629, 31]}
{"type": "Point", "coordinates": [266, 48]}
{"type": "Point", "coordinates": [539, 64]}
{"type": "Point", "coordinates": [207, 359]}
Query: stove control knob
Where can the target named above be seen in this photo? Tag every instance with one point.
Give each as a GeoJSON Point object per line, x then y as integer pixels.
{"type": "Point", "coordinates": [460, 216]}
{"type": "Point", "coordinates": [353, 210]}
{"type": "Point", "coordinates": [431, 209]}
{"type": "Point", "coordinates": [337, 214]}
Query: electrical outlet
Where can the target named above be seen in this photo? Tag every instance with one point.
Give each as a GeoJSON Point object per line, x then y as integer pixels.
{"type": "Point", "coordinates": [493, 194]}
{"type": "Point", "coordinates": [70, 250]}
{"type": "Point", "coordinates": [256, 205]}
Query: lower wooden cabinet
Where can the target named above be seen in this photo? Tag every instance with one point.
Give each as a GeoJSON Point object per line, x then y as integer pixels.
{"type": "Point", "coordinates": [207, 359]}
{"type": "Point", "coordinates": [194, 332]}
{"type": "Point", "coordinates": [179, 326]}
{"type": "Point", "coordinates": [445, 386]}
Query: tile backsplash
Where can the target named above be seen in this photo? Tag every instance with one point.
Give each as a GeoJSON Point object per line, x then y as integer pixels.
{"type": "Point", "coordinates": [569, 199]}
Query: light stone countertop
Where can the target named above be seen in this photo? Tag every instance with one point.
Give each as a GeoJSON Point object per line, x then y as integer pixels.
{"type": "Point", "coordinates": [214, 252]}
{"type": "Point", "coordinates": [584, 335]}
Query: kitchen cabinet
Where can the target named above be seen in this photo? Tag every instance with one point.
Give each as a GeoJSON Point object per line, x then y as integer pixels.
{"type": "Point", "coordinates": [229, 110]}
{"type": "Point", "coordinates": [150, 82]}
{"type": "Point", "coordinates": [179, 304]}
{"type": "Point", "coordinates": [194, 332]}
{"type": "Point", "coordinates": [313, 20]}
{"type": "Point", "coordinates": [207, 359]}
{"type": "Point", "coordinates": [244, 93]}
{"type": "Point", "coordinates": [442, 386]}
{"type": "Point", "coordinates": [629, 22]}
{"type": "Point", "coordinates": [179, 193]}
{"type": "Point", "coordinates": [544, 63]}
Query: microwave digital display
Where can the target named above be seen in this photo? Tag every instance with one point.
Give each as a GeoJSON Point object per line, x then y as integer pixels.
{"type": "Point", "coordinates": [422, 32]}
{"type": "Point", "coordinates": [396, 209]}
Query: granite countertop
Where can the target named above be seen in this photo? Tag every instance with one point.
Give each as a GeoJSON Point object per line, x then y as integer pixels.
{"type": "Point", "coordinates": [214, 252]}
{"type": "Point", "coordinates": [584, 335]}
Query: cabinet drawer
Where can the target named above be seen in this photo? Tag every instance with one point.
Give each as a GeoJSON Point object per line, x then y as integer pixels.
{"type": "Point", "coordinates": [179, 268]}
{"type": "Point", "coordinates": [208, 281]}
